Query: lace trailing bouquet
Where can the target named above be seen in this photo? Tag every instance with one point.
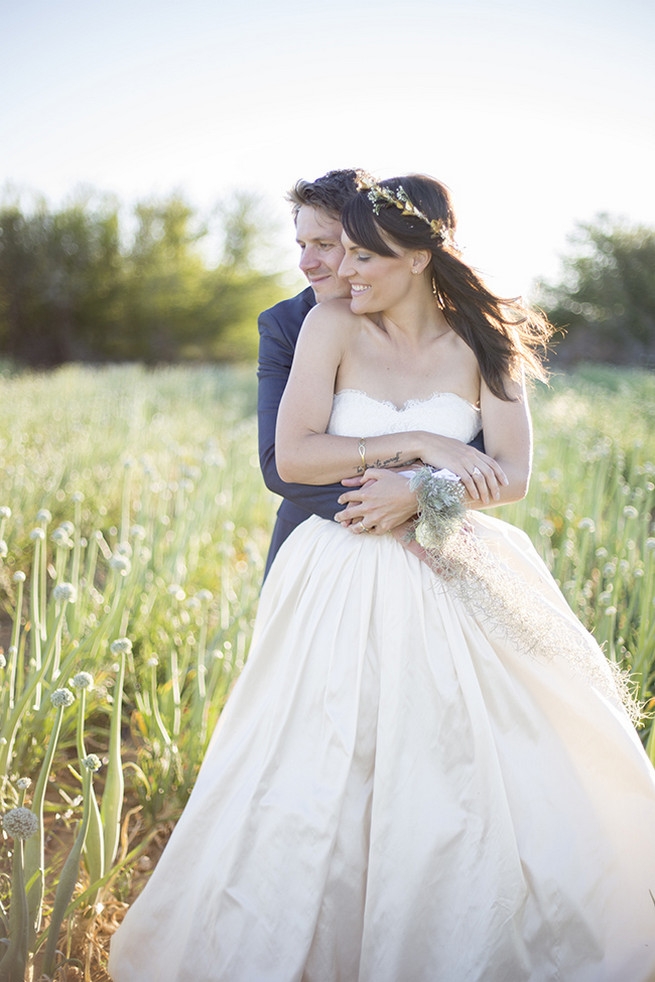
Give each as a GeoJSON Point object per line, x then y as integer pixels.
{"type": "Point", "coordinates": [485, 584]}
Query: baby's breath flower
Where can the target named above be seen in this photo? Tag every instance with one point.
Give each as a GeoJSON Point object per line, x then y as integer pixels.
{"type": "Point", "coordinates": [124, 549]}
{"type": "Point", "coordinates": [121, 564]}
{"type": "Point", "coordinates": [175, 590]}
{"type": "Point", "coordinates": [650, 544]}
{"type": "Point", "coordinates": [20, 823]}
{"type": "Point", "coordinates": [37, 533]}
{"type": "Point", "coordinates": [62, 697]}
{"type": "Point", "coordinates": [77, 497]}
{"type": "Point", "coordinates": [153, 662]}
{"type": "Point", "coordinates": [65, 593]}
{"type": "Point", "coordinates": [138, 532]}
{"type": "Point", "coordinates": [5, 511]}
{"type": "Point", "coordinates": [23, 783]}
{"type": "Point", "coordinates": [82, 680]}
{"type": "Point", "coordinates": [44, 515]}
{"type": "Point", "coordinates": [19, 576]}
{"type": "Point", "coordinates": [587, 524]}
{"type": "Point", "coordinates": [121, 646]}
{"type": "Point", "coordinates": [204, 596]}
{"type": "Point", "coordinates": [630, 512]}
{"type": "Point", "coordinates": [92, 762]}
{"type": "Point", "coordinates": [610, 611]}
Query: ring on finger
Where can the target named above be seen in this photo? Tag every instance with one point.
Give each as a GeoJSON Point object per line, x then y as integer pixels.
{"type": "Point", "coordinates": [363, 527]}
{"type": "Point", "coordinates": [476, 472]}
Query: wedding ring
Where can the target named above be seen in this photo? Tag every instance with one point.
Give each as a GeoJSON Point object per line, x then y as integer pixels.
{"type": "Point", "coordinates": [363, 527]}
{"type": "Point", "coordinates": [475, 472]}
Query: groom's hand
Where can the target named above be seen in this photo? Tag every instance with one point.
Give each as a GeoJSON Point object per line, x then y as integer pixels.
{"type": "Point", "coordinates": [380, 500]}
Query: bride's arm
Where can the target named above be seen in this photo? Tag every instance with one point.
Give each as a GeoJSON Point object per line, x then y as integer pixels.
{"type": "Point", "coordinates": [305, 453]}
{"type": "Point", "coordinates": [508, 439]}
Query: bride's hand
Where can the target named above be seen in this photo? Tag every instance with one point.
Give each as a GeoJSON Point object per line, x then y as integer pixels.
{"type": "Point", "coordinates": [481, 475]}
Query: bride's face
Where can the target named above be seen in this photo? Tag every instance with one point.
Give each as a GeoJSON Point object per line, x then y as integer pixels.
{"type": "Point", "coordinates": [377, 282]}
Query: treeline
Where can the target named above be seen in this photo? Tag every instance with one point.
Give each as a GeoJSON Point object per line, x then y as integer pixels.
{"type": "Point", "coordinates": [87, 283]}
{"type": "Point", "coordinates": [605, 304]}
{"type": "Point", "coordinates": [161, 284]}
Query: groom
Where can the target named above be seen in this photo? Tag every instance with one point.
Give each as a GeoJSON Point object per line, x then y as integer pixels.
{"type": "Point", "coordinates": [384, 503]}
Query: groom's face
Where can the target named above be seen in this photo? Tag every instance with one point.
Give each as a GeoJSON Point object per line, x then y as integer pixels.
{"type": "Point", "coordinates": [319, 236]}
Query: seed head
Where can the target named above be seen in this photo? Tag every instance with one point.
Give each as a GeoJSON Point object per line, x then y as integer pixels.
{"type": "Point", "coordinates": [92, 762]}
{"type": "Point", "coordinates": [23, 783]}
{"type": "Point", "coordinates": [19, 577]}
{"type": "Point", "coordinates": [62, 697]}
{"type": "Point", "coordinates": [44, 516]}
{"type": "Point", "coordinates": [82, 680]}
{"type": "Point", "coordinates": [60, 537]}
{"type": "Point", "coordinates": [121, 646]}
{"type": "Point", "coordinates": [20, 823]}
{"type": "Point", "coordinates": [37, 533]}
{"type": "Point", "coordinates": [65, 593]}
{"type": "Point", "coordinates": [120, 563]}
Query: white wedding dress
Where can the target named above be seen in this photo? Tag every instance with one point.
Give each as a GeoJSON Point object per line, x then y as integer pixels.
{"type": "Point", "coordinates": [397, 791]}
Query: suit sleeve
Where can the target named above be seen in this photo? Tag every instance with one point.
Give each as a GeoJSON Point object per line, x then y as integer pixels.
{"type": "Point", "coordinates": [275, 357]}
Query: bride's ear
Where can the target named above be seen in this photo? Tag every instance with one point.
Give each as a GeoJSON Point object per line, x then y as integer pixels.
{"type": "Point", "coordinates": [420, 260]}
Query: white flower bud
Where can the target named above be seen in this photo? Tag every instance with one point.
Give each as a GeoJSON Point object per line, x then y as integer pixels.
{"type": "Point", "coordinates": [121, 564]}
{"type": "Point", "coordinates": [83, 680]}
{"type": "Point", "coordinates": [37, 533]}
{"type": "Point", "coordinates": [23, 783]}
{"type": "Point", "coordinates": [65, 593]}
{"type": "Point", "coordinates": [62, 697]}
{"type": "Point", "coordinates": [121, 646]}
{"type": "Point", "coordinates": [92, 762]}
{"type": "Point", "coordinates": [4, 548]}
{"type": "Point", "coordinates": [20, 823]}
{"type": "Point", "coordinates": [44, 516]}
{"type": "Point", "coordinates": [19, 577]}
{"type": "Point", "coordinates": [5, 511]}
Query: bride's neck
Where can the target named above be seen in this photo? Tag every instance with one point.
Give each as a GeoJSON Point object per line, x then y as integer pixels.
{"type": "Point", "coordinates": [415, 321]}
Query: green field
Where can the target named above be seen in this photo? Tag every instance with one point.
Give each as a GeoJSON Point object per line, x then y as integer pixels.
{"type": "Point", "coordinates": [141, 489]}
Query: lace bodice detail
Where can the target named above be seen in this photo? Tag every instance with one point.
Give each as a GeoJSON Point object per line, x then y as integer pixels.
{"type": "Point", "coordinates": [354, 413]}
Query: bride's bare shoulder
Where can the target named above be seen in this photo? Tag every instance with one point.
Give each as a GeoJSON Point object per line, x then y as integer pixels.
{"type": "Point", "coordinates": [327, 324]}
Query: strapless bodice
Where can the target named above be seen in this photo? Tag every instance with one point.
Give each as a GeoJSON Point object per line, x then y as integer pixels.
{"type": "Point", "coordinates": [354, 413]}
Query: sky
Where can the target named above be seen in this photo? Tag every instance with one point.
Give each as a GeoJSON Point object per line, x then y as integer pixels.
{"type": "Point", "coordinates": [538, 115]}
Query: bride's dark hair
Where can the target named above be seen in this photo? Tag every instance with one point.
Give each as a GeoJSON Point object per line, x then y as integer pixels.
{"type": "Point", "coordinates": [507, 337]}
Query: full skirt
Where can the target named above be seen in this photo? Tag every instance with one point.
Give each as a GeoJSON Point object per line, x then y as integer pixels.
{"type": "Point", "coordinates": [398, 791]}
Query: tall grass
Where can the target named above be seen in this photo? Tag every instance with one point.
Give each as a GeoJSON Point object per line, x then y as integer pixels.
{"type": "Point", "coordinates": [133, 532]}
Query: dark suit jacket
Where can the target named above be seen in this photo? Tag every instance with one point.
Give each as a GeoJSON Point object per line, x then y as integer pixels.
{"type": "Point", "coordinates": [278, 332]}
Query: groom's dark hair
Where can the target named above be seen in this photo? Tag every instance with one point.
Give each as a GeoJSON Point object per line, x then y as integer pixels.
{"type": "Point", "coordinates": [330, 192]}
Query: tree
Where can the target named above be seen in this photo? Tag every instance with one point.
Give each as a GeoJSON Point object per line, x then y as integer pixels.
{"type": "Point", "coordinates": [74, 287]}
{"type": "Point", "coordinates": [606, 302]}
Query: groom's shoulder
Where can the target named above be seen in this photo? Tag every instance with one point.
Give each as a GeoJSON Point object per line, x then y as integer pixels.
{"type": "Point", "coordinates": [288, 315]}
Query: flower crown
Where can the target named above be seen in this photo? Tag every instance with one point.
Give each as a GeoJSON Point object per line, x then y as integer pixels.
{"type": "Point", "coordinates": [381, 197]}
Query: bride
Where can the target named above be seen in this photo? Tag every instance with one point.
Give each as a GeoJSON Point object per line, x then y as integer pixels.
{"type": "Point", "coordinates": [426, 770]}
